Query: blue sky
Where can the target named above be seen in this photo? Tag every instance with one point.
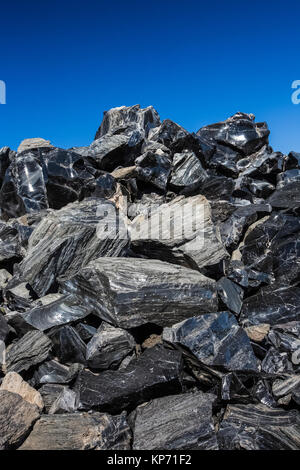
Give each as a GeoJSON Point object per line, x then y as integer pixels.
{"type": "Point", "coordinates": [196, 62]}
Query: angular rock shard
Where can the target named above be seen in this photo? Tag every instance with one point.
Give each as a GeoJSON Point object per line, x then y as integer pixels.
{"type": "Point", "coordinates": [108, 347]}
{"type": "Point", "coordinates": [129, 292]}
{"type": "Point", "coordinates": [155, 373]}
{"type": "Point", "coordinates": [215, 339]}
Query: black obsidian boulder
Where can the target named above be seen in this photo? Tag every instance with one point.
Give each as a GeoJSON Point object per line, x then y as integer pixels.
{"type": "Point", "coordinates": [155, 373]}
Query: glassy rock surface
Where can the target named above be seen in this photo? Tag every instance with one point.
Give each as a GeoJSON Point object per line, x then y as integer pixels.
{"type": "Point", "coordinates": [215, 339]}
{"type": "Point", "coordinates": [155, 373]}
{"type": "Point", "coordinates": [129, 292]}
{"type": "Point", "coordinates": [149, 289]}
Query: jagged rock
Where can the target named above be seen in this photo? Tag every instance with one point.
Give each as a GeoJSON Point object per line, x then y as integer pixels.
{"type": "Point", "coordinates": [258, 332]}
{"type": "Point", "coordinates": [167, 133]}
{"type": "Point", "coordinates": [154, 168]}
{"type": "Point", "coordinates": [272, 305]}
{"type": "Point", "coordinates": [66, 309]}
{"type": "Point", "coordinates": [13, 382]}
{"type": "Point", "coordinates": [187, 173]}
{"type": "Point", "coordinates": [66, 402]}
{"type": "Point", "coordinates": [108, 347]}
{"type": "Point", "coordinates": [264, 163]}
{"type": "Point", "coordinates": [30, 350]}
{"type": "Point", "coordinates": [155, 373]}
{"type": "Point", "coordinates": [286, 197]}
{"type": "Point", "coordinates": [231, 294]}
{"type": "Point", "coordinates": [50, 392]}
{"type": "Point", "coordinates": [239, 131]}
{"type": "Point", "coordinates": [271, 246]}
{"type": "Point", "coordinates": [68, 345]}
{"type": "Point", "coordinates": [129, 292]}
{"type": "Point", "coordinates": [276, 362]}
{"type": "Point", "coordinates": [257, 427]}
{"type": "Point", "coordinates": [180, 232]}
{"type": "Point", "coordinates": [69, 238]}
{"type": "Point", "coordinates": [234, 227]}
{"type": "Point", "coordinates": [52, 372]}
{"type": "Point", "coordinates": [36, 142]}
{"type": "Point", "coordinates": [119, 119]}
{"type": "Point", "coordinates": [175, 422]}
{"type": "Point", "coordinates": [80, 431]}
{"type": "Point", "coordinates": [16, 419]}
{"type": "Point", "coordinates": [215, 339]}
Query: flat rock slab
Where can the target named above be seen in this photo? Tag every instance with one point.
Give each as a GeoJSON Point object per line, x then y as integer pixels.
{"type": "Point", "coordinates": [175, 423]}
{"type": "Point", "coordinates": [13, 382]}
{"type": "Point", "coordinates": [16, 419]}
{"type": "Point", "coordinates": [155, 373]}
{"type": "Point", "coordinates": [130, 292]}
{"type": "Point", "coordinates": [215, 339]}
{"type": "Point", "coordinates": [80, 431]}
{"type": "Point", "coordinates": [30, 350]}
{"type": "Point", "coordinates": [257, 427]}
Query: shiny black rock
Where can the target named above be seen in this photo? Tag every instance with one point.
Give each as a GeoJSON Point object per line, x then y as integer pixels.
{"type": "Point", "coordinates": [157, 372]}
{"type": "Point", "coordinates": [239, 131]}
{"type": "Point", "coordinates": [215, 339]}
{"type": "Point", "coordinates": [187, 173]}
{"type": "Point", "coordinates": [231, 294]}
{"type": "Point", "coordinates": [66, 309]}
{"type": "Point", "coordinates": [130, 292]}
{"type": "Point", "coordinates": [154, 168]}
{"type": "Point", "coordinates": [175, 422]}
{"type": "Point", "coordinates": [272, 305]}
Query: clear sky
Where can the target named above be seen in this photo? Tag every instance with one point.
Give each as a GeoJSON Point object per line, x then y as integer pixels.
{"type": "Point", "coordinates": [197, 62]}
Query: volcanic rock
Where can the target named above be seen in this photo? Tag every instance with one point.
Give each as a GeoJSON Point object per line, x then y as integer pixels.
{"type": "Point", "coordinates": [30, 350]}
{"type": "Point", "coordinates": [257, 427]}
{"type": "Point", "coordinates": [215, 339]}
{"type": "Point", "coordinates": [129, 292]}
{"type": "Point", "coordinates": [155, 373]}
{"type": "Point", "coordinates": [81, 431]}
{"type": "Point", "coordinates": [108, 347]}
{"type": "Point", "coordinates": [175, 422]}
{"type": "Point", "coordinates": [16, 419]}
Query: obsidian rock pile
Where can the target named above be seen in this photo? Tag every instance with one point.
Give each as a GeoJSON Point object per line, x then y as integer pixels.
{"type": "Point", "coordinates": [181, 336]}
